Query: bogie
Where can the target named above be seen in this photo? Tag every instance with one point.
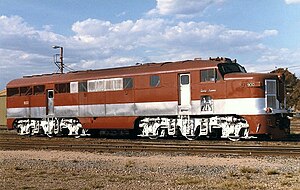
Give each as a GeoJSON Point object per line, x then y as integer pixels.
{"type": "Point", "coordinates": [231, 127]}
{"type": "Point", "coordinates": [49, 126]}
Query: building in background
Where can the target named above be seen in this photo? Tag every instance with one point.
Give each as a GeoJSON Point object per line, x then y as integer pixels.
{"type": "Point", "coordinates": [2, 107]}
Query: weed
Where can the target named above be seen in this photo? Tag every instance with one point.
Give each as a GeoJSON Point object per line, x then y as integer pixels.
{"type": "Point", "coordinates": [248, 176]}
{"type": "Point", "coordinates": [27, 187]}
{"type": "Point", "coordinates": [230, 185]}
{"type": "Point", "coordinates": [17, 168]}
{"type": "Point", "coordinates": [120, 178]}
{"type": "Point", "coordinates": [188, 181]}
{"type": "Point", "coordinates": [249, 170]}
{"type": "Point", "coordinates": [129, 164]}
{"type": "Point", "coordinates": [289, 175]}
{"type": "Point", "coordinates": [98, 186]}
{"type": "Point", "coordinates": [285, 183]}
{"type": "Point", "coordinates": [233, 174]}
{"type": "Point", "coordinates": [272, 172]}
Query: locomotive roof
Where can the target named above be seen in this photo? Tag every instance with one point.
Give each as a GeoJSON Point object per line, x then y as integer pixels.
{"type": "Point", "coordinates": [139, 69]}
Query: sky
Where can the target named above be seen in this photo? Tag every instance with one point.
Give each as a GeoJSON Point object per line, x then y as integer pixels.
{"type": "Point", "coordinates": [261, 34]}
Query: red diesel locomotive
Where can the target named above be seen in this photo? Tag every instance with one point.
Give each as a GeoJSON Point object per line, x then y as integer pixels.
{"type": "Point", "coordinates": [192, 98]}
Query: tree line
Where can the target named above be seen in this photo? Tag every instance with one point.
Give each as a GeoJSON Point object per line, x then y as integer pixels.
{"type": "Point", "coordinates": [292, 84]}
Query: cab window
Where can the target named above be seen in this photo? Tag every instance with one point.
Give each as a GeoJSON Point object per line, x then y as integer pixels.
{"type": "Point", "coordinates": [209, 75]}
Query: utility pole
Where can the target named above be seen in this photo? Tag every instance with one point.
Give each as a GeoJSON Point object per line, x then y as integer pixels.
{"type": "Point", "coordinates": [59, 64]}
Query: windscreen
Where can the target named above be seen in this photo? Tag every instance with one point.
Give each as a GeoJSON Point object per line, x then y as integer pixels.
{"type": "Point", "coordinates": [226, 68]}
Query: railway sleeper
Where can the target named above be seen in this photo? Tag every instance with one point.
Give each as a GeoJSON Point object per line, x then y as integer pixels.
{"type": "Point", "coordinates": [230, 127]}
{"type": "Point", "coordinates": [50, 126]}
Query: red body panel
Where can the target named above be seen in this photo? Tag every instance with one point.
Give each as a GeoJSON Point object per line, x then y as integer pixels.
{"type": "Point", "coordinates": [108, 122]}
{"type": "Point", "coordinates": [266, 125]}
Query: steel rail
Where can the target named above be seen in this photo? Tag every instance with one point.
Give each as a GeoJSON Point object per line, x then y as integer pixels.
{"type": "Point", "coordinates": [140, 146]}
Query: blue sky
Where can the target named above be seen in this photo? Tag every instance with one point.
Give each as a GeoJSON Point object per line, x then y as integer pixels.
{"type": "Point", "coordinates": [261, 34]}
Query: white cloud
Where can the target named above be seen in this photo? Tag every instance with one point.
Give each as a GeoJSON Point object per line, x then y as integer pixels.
{"type": "Point", "coordinates": [182, 8]}
{"type": "Point", "coordinates": [292, 1]}
{"type": "Point", "coordinates": [14, 25]}
{"type": "Point", "coordinates": [271, 59]}
{"type": "Point", "coordinates": [101, 44]}
{"type": "Point", "coordinates": [157, 33]}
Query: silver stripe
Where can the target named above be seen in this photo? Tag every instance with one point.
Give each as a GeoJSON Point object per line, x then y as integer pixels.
{"type": "Point", "coordinates": [156, 108]}
{"type": "Point", "coordinates": [240, 106]}
{"type": "Point", "coordinates": [66, 111]}
{"type": "Point", "coordinates": [38, 112]}
{"type": "Point", "coordinates": [127, 109]}
{"type": "Point", "coordinates": [17, 112]}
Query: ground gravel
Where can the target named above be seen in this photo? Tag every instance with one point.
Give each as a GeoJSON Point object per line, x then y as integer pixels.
{"type": "Point", "coordinates": [124, 170]}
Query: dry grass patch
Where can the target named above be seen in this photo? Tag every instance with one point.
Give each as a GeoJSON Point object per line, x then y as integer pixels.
{"type": "Point", "coordinates": [249, 170]}
{"type": "Point", "coordinates": [121, 178]}
{"type": "Point", "coordinates": [129, 164]}
{"type": "Point", "coordinates": [234, 184]}
{"type": "Point", "coordinates": [272, 172]}
{"type": "Point", "coordinates": [188, 180]}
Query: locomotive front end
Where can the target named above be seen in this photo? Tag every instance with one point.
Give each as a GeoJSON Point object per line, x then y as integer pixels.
{"type": "Point", "coordinates": [273, 121]}
{"type": "Point", "coordinates": [265, 110]}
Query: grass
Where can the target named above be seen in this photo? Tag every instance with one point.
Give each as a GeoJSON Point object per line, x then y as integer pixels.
{"type": "Point", "coordinates": [233, 185]}
{"type": "Point", "coordinates": [272, 172]}
{"type": "Point", "coordinates": [129, 164]}
{"type": "Point", "coordinates": [121, 178]}
{"type": "Point", "coordinates": [249, 170]}
{"type": "Point", "coordinates": [27, 187]}
{"type": "Point", "coordinates": [188, 181]}
{"type": "Point", "coordinates": [233, 174]}
{"type": "Point", "coordinates": [17, 168]}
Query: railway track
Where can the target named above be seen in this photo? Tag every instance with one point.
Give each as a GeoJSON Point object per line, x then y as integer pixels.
{"type": "Point", "coordinates": [98, 145]}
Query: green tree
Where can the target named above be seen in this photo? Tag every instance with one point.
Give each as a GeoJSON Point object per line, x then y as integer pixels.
{"type": "Point", "coordinates": [292, 84]}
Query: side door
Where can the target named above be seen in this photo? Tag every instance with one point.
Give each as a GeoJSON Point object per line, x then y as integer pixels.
{"type": "Point", "coordinates": [184, 101]}
{"type": "Point", "coordinates": [212, 91]}
{"type": "Point", "coordinates": [50, 103]}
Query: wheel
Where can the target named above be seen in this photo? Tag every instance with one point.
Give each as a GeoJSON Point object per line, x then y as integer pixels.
{"type": "Point", "coordinates": [195, 136]}
{"type": "Point", "coordinates": [192, 138]}
{"type": "Point", "coordinates": [156, 135]}
{"type": "Point", "coordinates": [234, 138]}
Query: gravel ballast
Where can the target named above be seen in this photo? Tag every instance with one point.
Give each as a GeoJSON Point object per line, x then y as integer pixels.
{"type": "Point", "coordinates": [83, 170]}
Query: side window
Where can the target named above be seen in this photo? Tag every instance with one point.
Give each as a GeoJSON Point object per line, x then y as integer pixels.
{"type": "Point", "coordinates": [127, 83]}
{"type": "Point", "coordinates": [74, 87]}
{"type": "Point", "coordinates": [13, 92]}
{"type": "Point", "coordinates": [99, 85]}
{"type": "Point", "coordinates": [62, 88]}
{"type": "Point", "coordinates": [50, 94]}
{"type": "Point", "coordinates": [184, 79]}
{"type": "Point", "coordinates": [25, 91]}
{"type": "Point", "coordinates": [82, 86]}
{"type": "Point", "coordinates": [207, 75]}
{"type": "Point", "coordinates": [40, 89]}
{"type": "Point", "coordinates": [154, 80]}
